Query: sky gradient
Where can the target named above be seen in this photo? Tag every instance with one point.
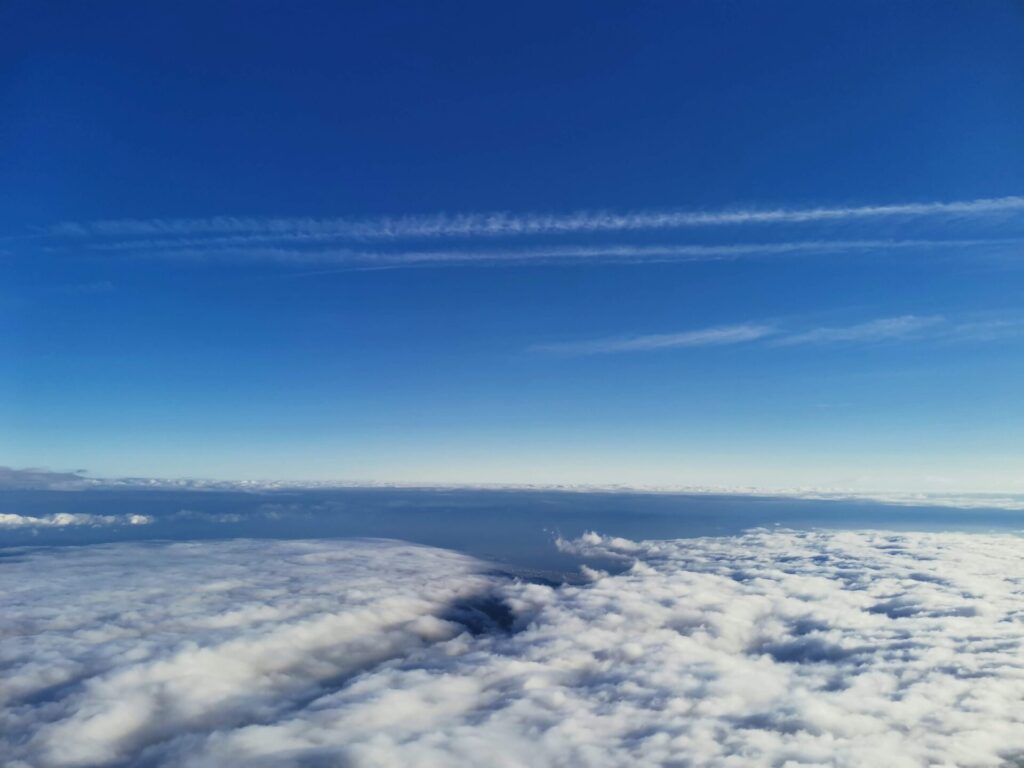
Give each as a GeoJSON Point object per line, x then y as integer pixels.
{"type": "Point", "coordinates": [733, 244]}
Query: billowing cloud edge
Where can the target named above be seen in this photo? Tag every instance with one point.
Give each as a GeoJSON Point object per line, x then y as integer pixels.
{"type": "Point", "coordinates": [767, 648]}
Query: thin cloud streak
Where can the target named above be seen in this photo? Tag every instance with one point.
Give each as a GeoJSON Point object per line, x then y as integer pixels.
{"type": "Point", "coordinates": [508, 225]}
{"type": "Point", "coordinates": [903, 328]}
{"type": "Point", "coordinates": [624, 253]}
{"type": "Point", "coordinates": [884, 329]}
{"type": "Point", "coordinates": [707, 337]}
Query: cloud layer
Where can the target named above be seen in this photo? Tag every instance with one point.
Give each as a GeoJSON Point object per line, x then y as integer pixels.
{"type": "Point", "coordinates": [123, 651]}
{"type": "Point", "coordinates": [768, 648]}
{"type": "Point", "coordinates": [42, 480]}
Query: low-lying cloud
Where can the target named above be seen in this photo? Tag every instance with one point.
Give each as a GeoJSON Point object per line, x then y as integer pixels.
{"type": "Point", "coordinates": [1007, 500]}
{"type": "Point", "coordinates": [768, 648]}
{"type": "Point", "coordinates": [65, 519]}
{"type": "Point", "coordinates": [140, 653]}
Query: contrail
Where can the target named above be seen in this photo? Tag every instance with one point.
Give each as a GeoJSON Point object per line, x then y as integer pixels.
{"type": "Point", "coordinates": [347, 257]}
{"type": "Point", "coordinates": [510, 225]}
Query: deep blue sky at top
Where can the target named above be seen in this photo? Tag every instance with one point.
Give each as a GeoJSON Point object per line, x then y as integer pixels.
{"type": "Point", "coordinates": [873, 366]}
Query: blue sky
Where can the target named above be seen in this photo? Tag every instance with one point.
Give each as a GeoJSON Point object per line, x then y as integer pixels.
{"type": "Point", "coordinates": [737, 243]}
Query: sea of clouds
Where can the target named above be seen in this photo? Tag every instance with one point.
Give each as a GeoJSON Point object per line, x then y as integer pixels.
{"type": "Point", "coordinates": [769, 648]}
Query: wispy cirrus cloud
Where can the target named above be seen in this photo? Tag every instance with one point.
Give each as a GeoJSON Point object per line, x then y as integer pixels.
{"type": "Point", "coordinates": [500, 224]}
{"type": "Point", "coordinates": [884, 329]}
{"type": "Point", "coordinates": [910, 328]}
{"type": "Point", "coordinates": [350, 258]}
{"type": "Point", "coordinates": [705, 337]}
{"type": "Point", "coordinates": [902, 328]}
{"type": "Point", "coordinates": [199, 249]}
{"type": "Point", "coordinates": [984, 225]}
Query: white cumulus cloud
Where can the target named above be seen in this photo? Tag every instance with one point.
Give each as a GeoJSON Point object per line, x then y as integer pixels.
{"type": "Point", "coordinates": [768, 648]}
{"type": "Point", "coordinates": [64, 519]}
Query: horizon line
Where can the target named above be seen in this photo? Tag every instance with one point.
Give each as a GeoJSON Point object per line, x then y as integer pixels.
{"type": "Point", "coordinates": [76, 481]}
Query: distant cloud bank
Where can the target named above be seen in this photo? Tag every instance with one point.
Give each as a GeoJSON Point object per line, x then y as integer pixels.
{"type": "Point", "coordinates": [38, 479]}
{"type": "Point", "coordinates": [64, 519]}
{"type": "Point", "coordinates": [34, 477]}
{"type": "Point", "coordinates": [768, 648]}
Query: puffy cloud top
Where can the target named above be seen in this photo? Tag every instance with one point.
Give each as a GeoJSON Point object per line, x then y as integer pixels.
{"type": "Point", "coordinates": [64, 519]}
{"type": "Point", "coordinates": [770, 648]}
